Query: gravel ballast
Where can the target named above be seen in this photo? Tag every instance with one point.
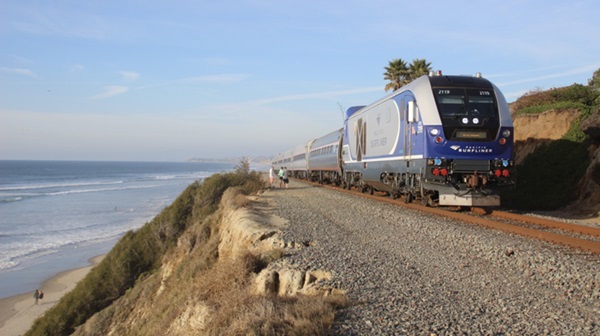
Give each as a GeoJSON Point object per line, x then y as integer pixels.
{"type": "Point", "coordinates": [412, 273]}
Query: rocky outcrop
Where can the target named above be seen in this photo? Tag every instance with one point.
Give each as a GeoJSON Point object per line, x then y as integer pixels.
{"type": "Point", "coordinates": [249, 230]}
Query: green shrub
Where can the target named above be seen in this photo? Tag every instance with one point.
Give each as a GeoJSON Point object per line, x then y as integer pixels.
{"type": "Point", "coordinates": [537, 109]}
{"type": "Point", "coordinates": [574, 96]}
{"type": "Point", "coordinates": [575, 93]}
{"type": "Point", "coordinates": [575, 133]}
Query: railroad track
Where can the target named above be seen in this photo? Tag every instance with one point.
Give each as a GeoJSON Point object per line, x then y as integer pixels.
{"type": "Point", "coordinates": [581, 237]}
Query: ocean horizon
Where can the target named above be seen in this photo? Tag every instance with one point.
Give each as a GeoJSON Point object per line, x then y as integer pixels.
{"type": "Point", "coordinates": [57, 215]}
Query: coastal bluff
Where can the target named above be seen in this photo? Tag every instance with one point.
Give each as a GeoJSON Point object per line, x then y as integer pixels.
{"type": "Point", "coordinates": [224, 274]}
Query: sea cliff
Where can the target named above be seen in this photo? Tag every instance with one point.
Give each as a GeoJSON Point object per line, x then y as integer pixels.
{"type": "Point", "coordinates": [202, 266]}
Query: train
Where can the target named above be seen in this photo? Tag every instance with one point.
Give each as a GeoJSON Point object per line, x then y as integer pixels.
{"type": "Point", "coordinates": [446, 140]}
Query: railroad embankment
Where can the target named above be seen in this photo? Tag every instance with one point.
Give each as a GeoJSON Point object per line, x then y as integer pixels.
{"type": "Point", "coordinates": [412, 273]}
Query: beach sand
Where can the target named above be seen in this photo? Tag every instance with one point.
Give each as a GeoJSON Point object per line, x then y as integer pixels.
{"type": "Point", "coordinates": [17, 313]}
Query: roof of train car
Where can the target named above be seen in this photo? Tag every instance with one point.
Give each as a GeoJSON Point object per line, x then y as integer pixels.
{"type": "Point", "coordinates": [422, 89]}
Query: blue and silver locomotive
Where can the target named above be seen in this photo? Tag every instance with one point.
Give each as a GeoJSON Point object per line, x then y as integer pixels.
{"type": "Point", "coordinates": [447, 140]}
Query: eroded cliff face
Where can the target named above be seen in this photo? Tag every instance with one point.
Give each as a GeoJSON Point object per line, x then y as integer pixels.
{"type": "Point", "coordinates": [214, 263]}
{"type": "Point", "coordinates": [532, 131]}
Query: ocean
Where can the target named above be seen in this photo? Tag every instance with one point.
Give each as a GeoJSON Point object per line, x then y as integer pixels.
{"type": "Point", "coordinates": [56, 215]}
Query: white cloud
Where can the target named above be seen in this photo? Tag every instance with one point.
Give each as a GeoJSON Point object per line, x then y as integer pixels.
{"type": "Point", "coordinates": [129, 75]}
{"type": "Point", "coordinates": [110, 91]}
{"type": "Point", "coordinates": [19, 71]}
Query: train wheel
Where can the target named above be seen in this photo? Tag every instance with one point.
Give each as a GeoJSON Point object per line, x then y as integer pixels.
{"type": "Point", "coordinates": [426, 200]}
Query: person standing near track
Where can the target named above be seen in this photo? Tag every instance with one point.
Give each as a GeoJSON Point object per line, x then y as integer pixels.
{"type": "Point", "coordinates": [286, 177]}
{"type": "Point", "coordinates": [271, 176]}
{"type": "Point", "coordinates": [280, 174]}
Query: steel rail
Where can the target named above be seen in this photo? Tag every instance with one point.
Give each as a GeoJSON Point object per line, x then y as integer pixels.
{"type": "Point", "coordinates": [556, 238]}
{"type": "Point", "coordinates": [586, 230]}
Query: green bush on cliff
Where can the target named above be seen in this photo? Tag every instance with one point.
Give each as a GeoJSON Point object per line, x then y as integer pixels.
{"type": "Point", "coordinates": [140, 252]}
{"type": "Point", "coordinates": [575, 96]}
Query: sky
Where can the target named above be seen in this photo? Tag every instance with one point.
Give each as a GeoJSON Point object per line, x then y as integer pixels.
{"type": "Point", "coordinates": [155, 80]}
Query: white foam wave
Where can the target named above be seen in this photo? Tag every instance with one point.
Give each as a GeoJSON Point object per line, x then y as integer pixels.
{"type": "Point", "coordinates": [194, 176]}
{"type": "Point", "coordinates": [57, 185]}
{"type": "Point", "coordinates": [11, 199]}
{"type": "Point", "coordinates": [80, 191]}
{"type": "Point", "coordinates": [17, 252]}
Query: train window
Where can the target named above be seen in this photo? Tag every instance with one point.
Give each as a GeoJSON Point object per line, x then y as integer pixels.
{"type": "Point", "coordinates": [453, 102]}
{"type": "Point", "coordinates": [402, 109]}
{"type": "Point", "coordinates": [451, 105]}
{"type": "Point", "coordinates": [481, 103]}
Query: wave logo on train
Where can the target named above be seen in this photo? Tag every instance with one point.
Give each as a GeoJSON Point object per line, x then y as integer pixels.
{"type": "Point", "coordinates": [447, 140]}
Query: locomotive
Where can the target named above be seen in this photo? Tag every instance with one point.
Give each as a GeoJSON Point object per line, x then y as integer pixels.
{"type": "Point", "coordinates": [446, 140]}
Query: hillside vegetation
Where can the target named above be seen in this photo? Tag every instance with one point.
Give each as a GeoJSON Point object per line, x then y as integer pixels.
{"type": "Point", "coordinates": [552, 175]}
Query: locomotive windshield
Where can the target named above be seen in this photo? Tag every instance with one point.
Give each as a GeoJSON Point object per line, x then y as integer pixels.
{"type": "Point", "coordinates": [467, 113]}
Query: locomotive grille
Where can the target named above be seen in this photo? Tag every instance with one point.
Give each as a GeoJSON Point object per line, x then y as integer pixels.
{"type": "Point", "coordinates": [469, 166]}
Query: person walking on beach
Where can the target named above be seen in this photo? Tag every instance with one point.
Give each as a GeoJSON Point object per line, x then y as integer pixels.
{"type": "Point", "coordinates": [272, 176]}
{"type": "Point", "coordinates": [280, 177]}
{"type": "Point", "coordinates": [41, 296]}
{"type": "Point", "coordinates": [36, 296]}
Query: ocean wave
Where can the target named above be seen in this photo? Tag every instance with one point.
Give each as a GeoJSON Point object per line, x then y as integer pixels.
{"type": "Point", "coordinates": [80, 191]}
{"type": "Point", "coordinates": [8, 197]}
{"type": "Point", "coordinates": [187, 176]}
{"type": "Point", "coordinates": [17, 252]}
{"type": "Point", "coordinates": [11, 199]}
{"type": "Point", "coordinates": [57, 185]}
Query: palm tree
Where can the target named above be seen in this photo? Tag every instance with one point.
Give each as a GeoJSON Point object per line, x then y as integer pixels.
{"type": "Point", "coordinates": [399, 73]}
{"type": "Point", "coordinates": [418, 68]}
{"type": "Point", "coordinates": [396, 73]}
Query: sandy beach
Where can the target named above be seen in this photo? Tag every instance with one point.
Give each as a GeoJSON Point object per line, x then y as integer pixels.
{"type": "Point", "coordinates": [17, 313]}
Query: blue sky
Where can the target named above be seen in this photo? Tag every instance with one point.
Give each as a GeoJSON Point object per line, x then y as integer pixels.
{"type": "Point", "coordinates": [171, 80]}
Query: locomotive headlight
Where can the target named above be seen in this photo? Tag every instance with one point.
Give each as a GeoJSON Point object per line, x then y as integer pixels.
{"type": "Point", "coordinates": [465, 120]}
{"type": "Point", "coordinates": [434, 131]}
{"type": "Point", "coordinates": [505, 163]}
{"type": "Point", "coordinates": [506, 133]}
{"type": "Point", "coordinates": [475, 121]}
{"type": "Point", "coordinates": [437, 161]}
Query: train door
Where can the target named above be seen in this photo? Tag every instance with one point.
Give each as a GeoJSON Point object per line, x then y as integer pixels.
{"type": "Point", "coordinates": [410, 130]}
{"type": "Point", "coordinates": [340, 158]}
{"type": "Point", "coordinates": [409, 111]}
